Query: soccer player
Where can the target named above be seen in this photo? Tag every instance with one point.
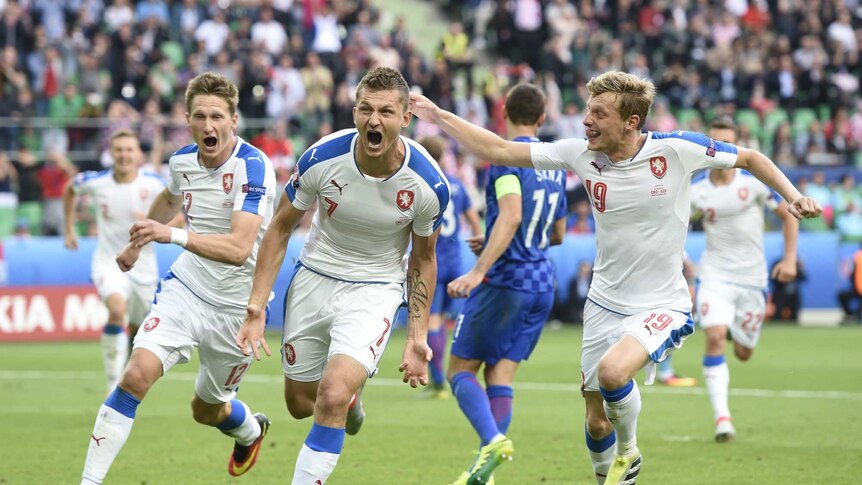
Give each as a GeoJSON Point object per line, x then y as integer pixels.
{"type": "Point", "coordinates": [731, 290]}
{"type": "Point", "coordinates": [226, 188]}
{"type": "Point", "coordinates": [377, 192]}
{"type": "Point", "coordinates": [638, 182]}
{"type": "Point", "coordinates": [448, 267]}
{"type": "Point", "coordinates": [510, 289]}
{"type": "Point", "coordinates": [122, 194]}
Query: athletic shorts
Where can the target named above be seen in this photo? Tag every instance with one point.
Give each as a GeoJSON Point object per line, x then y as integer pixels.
{"type": "Point", "coordinates": [178, 322]}
{"type": "Point", "coordinates": [500, 323]}
{"type": "Point", "coordinates": [443, 303]}
{"type": "Point", "coordinates": [659, 331]}
{"type": "Point", "coordinates": [325, 316]}
{"type": "Point", "coordinates": [740, 308]}
{"type": "Point", "coordinates": [109, 280]}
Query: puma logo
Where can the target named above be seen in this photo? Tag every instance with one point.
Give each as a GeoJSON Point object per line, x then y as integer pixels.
{"type": "Point", "coordinates": [594, 164]}
{"type": "Point", "coordinates": [438, 184]}
{"type": "Point", "coordinates": [647, 327]}
{"type": "Point", "coordinates": [339, 187]}
{"type": "Point", "coordinates": [313, 151]}
{"type": "Point", "coordinates": [188, 180]}
{"type": "Point", "coordinates": [97, 440]}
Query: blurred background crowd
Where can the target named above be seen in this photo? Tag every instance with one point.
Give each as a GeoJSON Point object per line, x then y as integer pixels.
{"type": "Point", "coordinates": [73, 71]}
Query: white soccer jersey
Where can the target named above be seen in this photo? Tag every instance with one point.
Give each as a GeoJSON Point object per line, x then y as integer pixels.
{"type": "Point", "coordinates": [362, 227]}
{"type": "Point", "coordinates": [119, 206]}
{"type": "Point", "coordinates": [641, 208]}
{"type": "Point", "coordinates": [733, 222]}
{"type": "Point", "coordinates": [210, 196]}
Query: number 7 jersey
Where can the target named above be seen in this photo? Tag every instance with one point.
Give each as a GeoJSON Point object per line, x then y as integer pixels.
{"type": "Point", "coordinates": [641, 208]}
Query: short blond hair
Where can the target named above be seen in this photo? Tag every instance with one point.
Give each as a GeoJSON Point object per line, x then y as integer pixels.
{"type": "Point", "coordinates": [123, 133]}
{"type": "Point", "coordinates": [210, 83]}
{"type": "Point", "coordinates": [634, 95]}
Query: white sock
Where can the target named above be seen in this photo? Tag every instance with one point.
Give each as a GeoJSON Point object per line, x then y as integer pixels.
{"type": "Point", "coordinates": [313, 466]}
{"type": "Point", "coordinates": [109, 435]}
{"type": "Point", "coordinates": [602, 463]}
{"type": "Point", "coordinates": [248, 431]}
{"type": "Point", "coordinates": [115, 353]}
{"type": "Point", "coordinates": [623, 414]}
{"type": "Point", "coordinates": [717, 378]}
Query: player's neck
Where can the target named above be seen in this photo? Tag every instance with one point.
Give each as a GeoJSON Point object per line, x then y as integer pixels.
{"type": "Point", "coordinates": [125, 178]}
{"type": "Point", "coordinates": [721, 177]}
{"type": "Point", "coordinates": [520, 131]}
{"type": "Point", "coordinates": [384, 166]}
{"type": "Point", "coordinates": [628, 147]}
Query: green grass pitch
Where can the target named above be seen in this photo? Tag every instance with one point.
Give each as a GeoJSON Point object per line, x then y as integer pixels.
{"type": "Point", "coordinates": [796, 404]}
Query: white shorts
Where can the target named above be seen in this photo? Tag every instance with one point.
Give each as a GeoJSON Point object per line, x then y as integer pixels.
{"type": "Point", "coordinates": [109, 280]}
{"type": "Point", "coordinates": [659, 331]}
{"type": "Point", "coordinates": [740, 308]}
{"type": "Point", "coordinates": [178, 322]}
{"type": "Point", "coordinates": [325, 316]}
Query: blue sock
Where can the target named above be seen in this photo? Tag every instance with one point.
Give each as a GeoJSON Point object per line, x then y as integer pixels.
{"type": "Point", "coordinates": [713, 360]}
{"type": "Point", "coordinates": [112, 329]}
{"type": "Point", "coordinates": [614, 395]}
{"type": "Point", "coordinates": [501, 398]}
{"type": "Point", "coordinates": [475, 405]}
{"type": "Point", "coordinates": [325, 439]}
{"type": "Point", "coordinates": [598, 446]}
{"type": "Point", "coordinates": [235, 418]}
{"type": "Point", "coordinates": [437, 342]}
{"type": "Point", "coordinates": [123, 402]}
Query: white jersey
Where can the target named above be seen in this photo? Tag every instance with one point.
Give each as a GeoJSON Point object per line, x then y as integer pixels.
{"type": "Point", "coordinates": [210, 196]}
{"type": "Point", "coordinates": [733, 222]}
{"type": "Point", "coordinates": [362, 227]}
{"type": "Point", "coordinates": [641, 208]}
{"type": "Point", "coordinates": [119, 206]}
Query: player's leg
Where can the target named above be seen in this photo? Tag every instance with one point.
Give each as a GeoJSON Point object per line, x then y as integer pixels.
{"type": "Point", "coordinates": [437, 342]}
{"type": "Point", "coordinates": [114, 339]}
{"type": "Point", "coordinates": [716, 308]}
{"type": "Point", "coordinates": [501, 396]}
{"type": "Point", "coordinates": [164, 343]}
{"type": "Point", "coordinates": [599, 434]}
{"type": "Point", "coordinates": [667, 375]}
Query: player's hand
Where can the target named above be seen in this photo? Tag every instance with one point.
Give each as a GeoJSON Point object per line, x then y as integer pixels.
{"type": "Point", "coordinates": [784, 271]}
{"type": "Point", "coordinates": [71, 240]}
{"type": "Point", "coordinates": [251, 332]}
{"type": "Point", "coordinates": [128, 256]}
{"type": "Point", "coordinates": [804, 208]}
{"type": "Point", "coordinates": [146, 231]}
{"type": "Point", "coordinates": [461, 286]}
{"type": "Point", "coordinates": [414, 362]}
{"type": "Point", "coordinates": [476, 244]}
{"type": "Point", "coordinates": [423, 108]}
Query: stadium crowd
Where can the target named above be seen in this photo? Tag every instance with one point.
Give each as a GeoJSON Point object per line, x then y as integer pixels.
{"type": "Point", "coordinates": [73, 71]}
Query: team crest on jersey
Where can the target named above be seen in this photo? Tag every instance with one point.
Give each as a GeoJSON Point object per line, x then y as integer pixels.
{"type": "Point", "coordinates": [289, 354]}
{"type": "Point", "coordinates": [151, 324]}
{"type": "Point", "coordinates": [743, 193]}
{"type": "Point", "coordinates": [143, 194]}
{"type": "Point", "coordinates": [658, 166]}
{"type": "Point", "coordinates": [404, 199]}
{"type": "Point", "coordinates": [227, 182]}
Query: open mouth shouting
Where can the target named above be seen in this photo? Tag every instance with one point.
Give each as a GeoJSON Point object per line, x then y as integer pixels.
{"type": "Point", "coordinates": [374, 139]}
{"type": "Point", "coordinates": [210, 142]}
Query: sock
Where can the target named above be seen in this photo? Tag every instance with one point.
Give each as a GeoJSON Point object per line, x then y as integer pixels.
{"type": "Point", "coordinates": [601, 454]}
{"type": "Point", "coordinates": [115, 352]}
{"type": "Point", "coordinates": [717, 378]}
{"type": "Point", "coordinates": [318, 455]}
{"type": "Point", "coordinates": [622, 407]}
{"type": "Point", "coordinates": [475, 405]}
{"type": "Point", "coordinates": [112, 428]}
{"type": "Point", "coordinates": [500, 398]}
{"type": "Point", "coordinates": [665, 369]}
{"type": "Point", "coordinates": [437, 342]}
{"type": "Point", "coordinates": [240, 424]}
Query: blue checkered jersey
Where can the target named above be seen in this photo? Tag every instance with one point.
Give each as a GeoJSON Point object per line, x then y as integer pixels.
{"type": "Point", "coordinates": [448, 245]}
{"type": "Point", "coordinates": [524, 265]}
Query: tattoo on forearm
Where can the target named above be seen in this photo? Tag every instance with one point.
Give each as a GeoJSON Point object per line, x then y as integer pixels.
{"type": "Point", "coordinates": [417, 295]}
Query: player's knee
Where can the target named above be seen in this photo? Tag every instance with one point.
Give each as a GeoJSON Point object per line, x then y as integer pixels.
{"type": "Point", "coordinates": [611, 375]}
{"type": "Point", "coordinates": [333, 398]}
{"type": "Point", "coordinates": [598, 427]}
{"type": "Point", "coordinates": [742, 353]}
{"type": "Point", "coordinates": [135, 381]}
{"type": "Point", "coordinates": [208, 414]}
{"type": "Point", "coordinates": [715, 343]}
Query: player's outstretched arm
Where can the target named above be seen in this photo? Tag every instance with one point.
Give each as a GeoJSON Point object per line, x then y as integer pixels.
{"type": "Point", "coordinates": [785, 270]}
{"type": "Point", "coordinates": [69, 199]}
{"type": "Point", "coordinates": [477, 140]}
{"type": "Point", "coordinates": [270, 256]}
{"type": "Point", "coordinates": [766, 171]}
{"type": "Point", "coordinates": [421, 280]}
{"type": "Point", "coordinates": [501, 235]}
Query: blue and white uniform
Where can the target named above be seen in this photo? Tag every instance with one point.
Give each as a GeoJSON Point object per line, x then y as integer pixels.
{"type": "Point", "coordinates": [503, 317]}
{"type": "Point", "coordinates": [641, 207]}
{"type": "Point", "coordinates": [119, 206]}
{"type": "Point", "coordinates": [449, 261]}
{"type": "Point", "coordinates": [351, 271]}
{"type": "Point", "coordinates": [732, 274]}
{"type": "Point", "coordinates": [201, 302]}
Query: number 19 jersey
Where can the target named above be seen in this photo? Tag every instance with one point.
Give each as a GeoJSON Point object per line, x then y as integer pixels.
{"type": "Point", "coordinates": [641, 208]}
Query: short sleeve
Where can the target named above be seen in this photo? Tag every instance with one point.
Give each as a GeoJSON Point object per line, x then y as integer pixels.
{"type": "Point", "coordinates": [250, 178]}
{"type": "Point", "coordinates": [429, 213]}
{"type": "Point", "coordinates": [82, 184]}
{"type": "Point", "coordinates": [699, 151]}
{"type": "Point", "coordinates": [560, 155]}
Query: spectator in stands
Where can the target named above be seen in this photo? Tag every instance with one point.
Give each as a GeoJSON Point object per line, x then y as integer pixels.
{"type": "Point", "coordinates": [269, 32]}
{"type": "Point", "coordinates": [8, 195]}
{"type": "Point", "coordinates": [851, 297]}
{"type": "Point", "coordinates": [319, 87]}
{"type": "Point", "coordinates": [53, 175]}
{"type": "Point", "coordinates": [786, 297]}
{"type": "Point", "coordinates": [455, 50]}
{"type": "Point", "coordinates": [213, 33]}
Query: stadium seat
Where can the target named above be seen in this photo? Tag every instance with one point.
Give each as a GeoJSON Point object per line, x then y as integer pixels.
{"type": "Point", "coordinates": [686, 116]}
{"type": "Point", "coordinates": [32, 211]}
{"type": "Point", "coordinates": [802, 119]}
{"type": "Point", "coordinates": [751, 119]}
{"type": "Point", "coordinates": [174, 51]}
{"type": "Point", "coordinates": [7, 222]}
{"type": "Point", "coordinates": [771, 122]}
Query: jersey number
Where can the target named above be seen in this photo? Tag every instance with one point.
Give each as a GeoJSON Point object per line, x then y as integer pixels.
{"type": "Point", "coordinates": [598, 192]}
{"type": "Point", "coordinates": [235, 376]}
{"type": "Point", "coordinates": [187, 201]}
{"type": "Point", "coordinates": [539, 199]}
{"type": "Point", "coordinates": [332, 206]}
{"type": "Point", "coordinates": [449, 221]}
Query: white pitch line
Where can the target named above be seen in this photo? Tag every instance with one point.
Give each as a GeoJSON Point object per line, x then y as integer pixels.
{"type": "Point", "coordinates": [42, 375]}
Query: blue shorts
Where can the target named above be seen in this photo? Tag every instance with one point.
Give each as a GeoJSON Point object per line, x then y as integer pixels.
{"type": "Point", "coordinates": [500, 323]}
{"type": "Point", "coordinates": [442, 302]}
